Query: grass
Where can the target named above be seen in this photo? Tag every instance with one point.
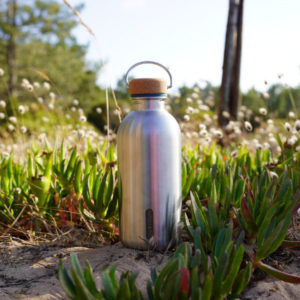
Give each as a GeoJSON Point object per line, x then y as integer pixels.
{"type": "Point", "coordinates": [240, 188]}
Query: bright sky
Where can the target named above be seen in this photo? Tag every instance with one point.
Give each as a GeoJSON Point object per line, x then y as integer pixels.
{"type": "Point", "coordinates": [188, 37]}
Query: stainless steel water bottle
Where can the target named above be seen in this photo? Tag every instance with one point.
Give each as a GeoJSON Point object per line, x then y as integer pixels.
{"type": "Point", "coordinates": [149, 166]}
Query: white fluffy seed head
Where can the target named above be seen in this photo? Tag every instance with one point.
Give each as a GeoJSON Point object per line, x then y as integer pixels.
{"type": "Point", "coordinates": [189, 100]}
{"type": "Point", "coordinates": [75, 102]}
{"type": "Point", "coordinates": [82, 119]}
{"type": "Point", "coordinates": [99, 110]}
{"type": "Point", "coordinates": [203, 133]}
{"type": "Point", "coordinates": [292, 115]}
{"type": "Point", "coordinates": [52, 95]}
{"type": "Point", "coordinates": [248, 126]}
{"type": "Point", "coordinates": [21, 109]}
{"type": "Point", "coordinates": [10, 127]}
{"type": "Point", "coordinates": [189, 110]}
{"type": "Point", "coordinates": [263, 111]}
{"type": "Point", "coordinates": [287, 126]}
{"type": "Point", "coordinates": [266, 96]}
{"type": "Point", "coordinates": [1, 72]}
{"type": "Point", "coordinates": [23, 129]}
{"type": "Point", "coordinates": [226, 114]}
{"type": "Point", "coordinates": [2, 104]}
{"type": "Point", "coordinates": [51, 106]}
{"type": "Point", "coordinates": [2, 116]}
{"type": "Point", "coordinates": [186, 118]}
{"type": "Point", "coordinates": [40, 100]}
{"type": "Point", "coordinates": [36, 85]}
{"type": "Point", "coordinates": [47, 85]}
{"type": "Point", "coordinates": [29, 87]}
{"type": "Point", "coordinates": [218, 134]}
{"type": "Point", "coordinates": [42, 137]}
{"type": "Point", "coordinates": [297, 125]}
{"type": "Point", "coordinates": [12, 119]}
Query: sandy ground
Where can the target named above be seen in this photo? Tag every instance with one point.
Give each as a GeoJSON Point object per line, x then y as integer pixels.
{"type": "Point", "coordinates": [29, 271]}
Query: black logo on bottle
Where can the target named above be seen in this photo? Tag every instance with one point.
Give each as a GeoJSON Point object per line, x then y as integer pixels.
{"type": "Point", "coordinates": [149, 224]}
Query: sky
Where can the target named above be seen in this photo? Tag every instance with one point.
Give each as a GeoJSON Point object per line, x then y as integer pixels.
{"type": "Point", "coordinates": [188, 37]}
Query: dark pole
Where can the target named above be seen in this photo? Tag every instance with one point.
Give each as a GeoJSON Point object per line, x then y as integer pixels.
{"type": "Point", "coordinates": [229, 91]}
{"type": "Point", "coordinates": [11, 47]}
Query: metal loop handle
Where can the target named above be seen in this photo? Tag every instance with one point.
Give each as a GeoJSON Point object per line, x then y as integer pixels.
{"type": "Point", "coordinates": [149, 62]}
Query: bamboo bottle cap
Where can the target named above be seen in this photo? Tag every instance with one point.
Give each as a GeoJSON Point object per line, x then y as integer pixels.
{"type": "Point", "coordinates": [147, 86]}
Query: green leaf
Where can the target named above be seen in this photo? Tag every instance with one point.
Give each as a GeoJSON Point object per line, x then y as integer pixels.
{"type": "Point", "coordinates": [236, 261]}
{"type": "Point", "coordinates": [65, 281]}
{"type": "Point", "coordinates": [89, 280]}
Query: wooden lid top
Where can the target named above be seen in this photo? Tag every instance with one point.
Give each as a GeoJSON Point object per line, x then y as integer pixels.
{"type": "Point", "coordinates": [144, 86]}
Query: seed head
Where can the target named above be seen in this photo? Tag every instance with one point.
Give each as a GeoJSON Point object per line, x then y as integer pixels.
{"type": "Point", "coordinates": [21, 109]}
{"type": "Point", "coordinates": [287, 126]}
{"type": "Point", "coordinates": [51, 106]}
{"type": "Point", "coordinates": [45, 119]}
{"type": "Point", "coordinates": [204, 107]}
{"type": "Point", "coordinates": [73, 108]}
{"type": "Point", "coordinates": [81, 133]}
{"type": "Point", "coordinates": [47, 85]}
{"type": "Point", "coordinates": [263, 111]}
{"type": "Point", "coordinates": [82, 119]}
{"type": "Point", "coordinates": [40, 100]}
{"type": "Point", "coordinates": [266, 96]}
{"type": "Point", "coordinates": [218, 134]}
{"type": "Point", "coordinates": [202, 126]}
{"type": "Point", "coordinates": [2, 116]}
{"type": "Point", "coordinates": [23, 129]}
{"type": "Point", "coordinates": [75, 102]}
{"type": "Point", "coordinates": [234, 153]}
{"type": "Point", "coordinates": [189, 110]}
{"type": "Point", "coordinates": [292, 140]}
{"type": "Point", "coordinates": [297, 125]}
{"type": "Point", "coordinates": [248, 126]}
{"type": "Point", "coordinates": [226, 114]}
{"type": "Point", "coordinates": [42, 137]}
{"type": "Point", "coordinates": [292, 115]}
{"type": "Point", "coordinates": [186, 118]}
{"type": "Point", "coordinates": [12, 120]}
{"type": "Point", "coordinates": [189, 100]}
{"type": "Point", "coordinates": [203, 133]}
{"type": "Point", "coordinates": [2, 104]}
{"type": "Point", "coordinates": [52, 95]}
{"type": "Point", "coordinates": [195, 134]}
{"type": "Point", "coordinates": [36, 85]}
{"type": "Point", "coordinates": [1, 72]}
{"type": "Point", "coordinates": [99, 110]}
{"type": "Point", "coordinates": [29, 87]}
{"type": "Point", "coordinates": [10, 127]}
{"type": "Point", "coordinates": [68, 116]}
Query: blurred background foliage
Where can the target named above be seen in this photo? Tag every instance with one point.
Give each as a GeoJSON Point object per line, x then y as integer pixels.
{"type": "Point", "coordinates": [37, 43]}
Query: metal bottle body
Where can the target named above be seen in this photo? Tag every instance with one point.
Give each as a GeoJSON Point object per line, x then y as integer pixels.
{"type": "Point", "coordinates": [149, 164]}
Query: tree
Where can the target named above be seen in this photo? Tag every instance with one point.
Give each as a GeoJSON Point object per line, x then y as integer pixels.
{"type": "Point", "coordinates": [229, 91]}
{"type": "Point", "coordinates": [36, 35]}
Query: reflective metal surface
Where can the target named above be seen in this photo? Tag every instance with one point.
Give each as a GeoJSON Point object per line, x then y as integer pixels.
{"type": "Point", "coordinates": [149, 162]}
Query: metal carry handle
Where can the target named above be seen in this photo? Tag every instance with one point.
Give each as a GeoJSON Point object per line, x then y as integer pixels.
{"type": "Point", "coordinates": [149, 62]}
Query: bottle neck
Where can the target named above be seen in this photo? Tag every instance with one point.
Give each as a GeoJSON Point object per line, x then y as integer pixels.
{"type": "Point", "coordinates": [148, 103]}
